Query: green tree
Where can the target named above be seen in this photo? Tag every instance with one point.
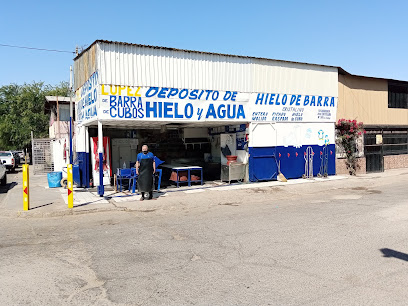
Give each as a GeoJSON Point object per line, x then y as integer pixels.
{"type": "Point", "coordinates": [22, 111]}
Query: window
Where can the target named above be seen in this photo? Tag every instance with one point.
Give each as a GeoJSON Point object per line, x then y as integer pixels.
{"type": "Point", "coordinates": [397, 95]}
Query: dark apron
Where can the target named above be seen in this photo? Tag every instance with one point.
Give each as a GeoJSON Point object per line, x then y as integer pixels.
{"type": "Point", "coordinates": [145, 178]}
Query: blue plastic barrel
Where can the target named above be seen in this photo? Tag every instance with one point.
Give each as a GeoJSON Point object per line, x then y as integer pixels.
{"type": "Point", "coordinates": [54, 179]}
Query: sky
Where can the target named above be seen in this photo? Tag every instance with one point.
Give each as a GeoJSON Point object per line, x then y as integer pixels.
{"type": "Point", "coordinates": [363, 37]}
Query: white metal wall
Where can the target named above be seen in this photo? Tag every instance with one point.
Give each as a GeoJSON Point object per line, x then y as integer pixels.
{"type": "Point", "coordinates": [130, 65]}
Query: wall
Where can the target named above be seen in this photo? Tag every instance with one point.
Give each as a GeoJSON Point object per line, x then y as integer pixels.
{"type": "Point", "coordinates": [342, 169]}
{"type": "Point", "coordinates": [395, 161]}
{"type": "Point", "coordinates": [84, 67]}
{"type": "Point", "coordinates": [366, 100]}
{"type": "Point", "coordinates": [134, 65]}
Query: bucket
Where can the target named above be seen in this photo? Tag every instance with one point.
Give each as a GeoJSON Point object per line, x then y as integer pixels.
{"type": "Point", "coordinates": [54, 179]}
{"type": "Point", "coordinates": [231, 159]}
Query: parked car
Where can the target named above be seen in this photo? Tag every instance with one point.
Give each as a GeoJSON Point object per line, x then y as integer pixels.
{"type": "Point", "coordinates": [3, 174]}
{"type": "Point", "coordinates": [16, 158]}
{"type": "Point", "coordinates": [8, 160]}
{"type": "Point", "coordinates": [21, 154]}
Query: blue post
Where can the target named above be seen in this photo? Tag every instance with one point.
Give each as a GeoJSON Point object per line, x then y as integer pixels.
{"type": "Point", "coordinates": [101, 188]}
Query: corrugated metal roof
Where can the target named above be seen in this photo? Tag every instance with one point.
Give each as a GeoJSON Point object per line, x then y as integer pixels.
{"type": "Point", "coordinates": [340, 70]}
{"type": "Point", "coordinates": [191, 51]}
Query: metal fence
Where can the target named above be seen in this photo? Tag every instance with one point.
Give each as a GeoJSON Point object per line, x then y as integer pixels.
{"type": "Point", "coordinates": [42, 156]}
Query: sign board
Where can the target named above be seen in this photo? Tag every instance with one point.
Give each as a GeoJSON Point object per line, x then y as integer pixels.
{"type": "Point", "coordinates": [113, 102]}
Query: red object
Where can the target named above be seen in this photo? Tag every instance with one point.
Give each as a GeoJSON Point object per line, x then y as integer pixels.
{"type": "Point", "coordinates": [231, 159]}
{"type": "Point", "coordinates": [297, 154]}
{"type": "Point", "coordinates": [313, 153]}
{"type": "Point", "coordinates": [331, 152]}
{"type": "Point", "coordinates": [280, 155]}
{"type": "Point", "coordinates": [69, 191]}
{"type": "Point", "coordinates": [288, 154]}
{"type": "Point", "coordinates": [26, 190]}
{"type": "Point", "coordinates": [305, 153]}
{"type": "Point", "coordinates": [321, 153]}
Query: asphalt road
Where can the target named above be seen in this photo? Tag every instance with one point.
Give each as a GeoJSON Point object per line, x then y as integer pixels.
{"type": "Point", "coordinates": [332, 243]}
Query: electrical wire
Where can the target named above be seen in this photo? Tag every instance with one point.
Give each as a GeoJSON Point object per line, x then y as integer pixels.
{"type": "Point", "coordinates": [38, 49]}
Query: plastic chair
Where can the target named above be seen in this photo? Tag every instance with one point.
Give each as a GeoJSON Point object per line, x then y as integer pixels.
{"type": "Point", "coordinates": [123, 174]}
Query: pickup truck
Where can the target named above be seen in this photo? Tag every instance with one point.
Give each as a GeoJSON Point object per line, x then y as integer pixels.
{"type": "Point", "coordinates": [3, 174]}
{"type": "Point", "coordinates": [7, 158]}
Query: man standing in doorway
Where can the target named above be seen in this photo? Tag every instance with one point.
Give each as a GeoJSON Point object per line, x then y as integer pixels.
{"type": "Point", "coordinates": [145, 168]}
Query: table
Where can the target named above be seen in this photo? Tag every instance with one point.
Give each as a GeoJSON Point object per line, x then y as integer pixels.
{"type": "Point", "coordinates": [188, 169]}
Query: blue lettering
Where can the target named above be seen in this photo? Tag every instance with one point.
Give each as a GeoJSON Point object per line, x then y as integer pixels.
{"type": "Point", "coordinates": [176, 114]}
{"type": "Point", "coordinates": [306, 102]}
{"type": "Point", "coordinates": [123, 112]}
{"type": "Point", "coordinates": [152, 91]}
{"type": "Point", "coordinates": [173, 92]}
{"type": "Point", "coordinates": [332, 101]}
{"type": "Point", "coordinates": [231, 115]}
{"type": "Point", "coordinates": [319, 101]}
{"type": "Point", "coordinates": [221, 111]}
{"type": "Point", "coordinates": [160, 112]}
{"type": "Point", "coordinates": [181, 91]}
{"type": "Point", "coordinates": [150, 109]}
{"type": "Point", "coordinates": [168, 109]}
{"type": "Point", "coordinates": [132, 102]}
{"type": "Point", "coordinates": [215, 97]}
{"type": "Point", "coordinates": [241, 112]}
{"type": "Point", "coordinates": [188, 110]}
{"type": "Point", "coordinates": [128, 114]}
{"type": "Point", "coordinates": [298, 100]}
{"type": "Point", "coordinates": [259, 98]}
{"type": "Point", "coordinates": [162, 93]}
{"type": "Point", "coordinates": [313, 102]}
{"type": "Point", "coordinates": [271, 99]}
{"type": "Point", "coordinates": [193, 94]}
{"type": "Point", "coordinates": [234, 96]}
{"type": "Point", "coordinates": [112, 101]}
{"type": "Point", "coordinates": [284, 99]}
{"type": "Point", "coordinates": [208, 94]}
{"type": "Point", "coordinates": [211, 112]}
{"type": "Point", "coordinates": [326, 101]}
{"type": "Point", "coordinates": [111, 113]}
{"type": "Point", "coordinates": [227, 95]}
{"type": "Point", "coordinates": [292, 99]}
{"type": "Point", "coordinates": [125, 101]}
{"type": "Point", "coordinates": [277, 100]}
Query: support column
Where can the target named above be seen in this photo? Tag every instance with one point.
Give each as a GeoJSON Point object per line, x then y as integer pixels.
{"type": "Point", "coordinates": [101, 188]}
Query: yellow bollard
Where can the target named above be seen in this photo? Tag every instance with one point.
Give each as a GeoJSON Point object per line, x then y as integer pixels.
{"type": "Point", "coordinates": [26, 192]}
{"type": "Point", "coordinates": [70, 184]}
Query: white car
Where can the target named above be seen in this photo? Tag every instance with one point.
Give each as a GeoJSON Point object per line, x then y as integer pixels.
{"type": "Point", "coordinates": [3, 174]}
{"type": "Point", "coordinates": [7, 159]}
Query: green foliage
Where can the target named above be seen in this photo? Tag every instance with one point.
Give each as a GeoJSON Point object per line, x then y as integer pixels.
{"type": "Point", "coordinates": [22, 111]}
{"type": "Point", "coordinates": [347, 133]}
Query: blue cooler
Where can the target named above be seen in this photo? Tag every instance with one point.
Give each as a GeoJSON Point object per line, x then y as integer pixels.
{"type": "Point", "coordinates": [54, 179]}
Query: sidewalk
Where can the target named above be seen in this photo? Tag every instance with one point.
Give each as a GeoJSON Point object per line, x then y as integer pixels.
{"type": "Point", "coordinates": [53, 202]}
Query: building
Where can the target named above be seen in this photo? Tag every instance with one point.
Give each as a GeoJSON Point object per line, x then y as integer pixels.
{"type": "Point", "coordinates": [382, 105]}
{"type": "Point", "coordinates": [196, 108]}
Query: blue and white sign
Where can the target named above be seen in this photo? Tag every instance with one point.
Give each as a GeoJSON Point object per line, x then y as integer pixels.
{"type": "Point", "coordinates": [197, 105]}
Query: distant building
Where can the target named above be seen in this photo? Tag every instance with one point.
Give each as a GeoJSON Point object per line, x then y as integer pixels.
{"type": "Point", "coordinates": [382, 105]}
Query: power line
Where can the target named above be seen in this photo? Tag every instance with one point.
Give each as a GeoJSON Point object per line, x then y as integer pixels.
{"type": "Point", "coordinates": [38, 49]}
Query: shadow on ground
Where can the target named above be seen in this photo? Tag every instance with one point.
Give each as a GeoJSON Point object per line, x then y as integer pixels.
{"type": "Point", "coordinates": [392, 253]}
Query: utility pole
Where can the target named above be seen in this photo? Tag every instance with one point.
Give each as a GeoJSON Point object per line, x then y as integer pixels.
{"type": "Point", "coordinates": [71, 115]}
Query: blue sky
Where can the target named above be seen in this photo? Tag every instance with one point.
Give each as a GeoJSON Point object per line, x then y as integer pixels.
{"type": "Point", "coordinates": [363, 37]}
